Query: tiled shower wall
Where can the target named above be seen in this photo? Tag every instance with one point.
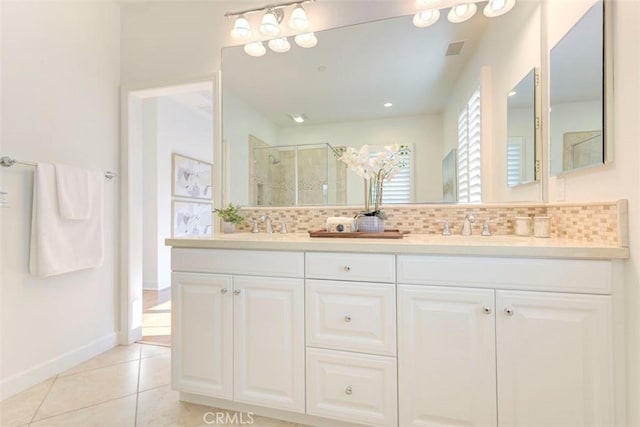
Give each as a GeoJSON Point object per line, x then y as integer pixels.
{"type": "Point", "coordinates": [604, 223]}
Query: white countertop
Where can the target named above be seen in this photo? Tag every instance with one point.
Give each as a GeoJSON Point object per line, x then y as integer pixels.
{"type": "Point", "coordinates": [411, 244]}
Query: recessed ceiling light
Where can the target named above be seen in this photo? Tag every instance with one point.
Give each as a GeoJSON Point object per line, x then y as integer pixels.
{"type": "Point", "coordinates": [388, 104]}
{"type": "Point", "coordinates": [513, 92]}
{"type": "Point", "coordinates": [298, 118]}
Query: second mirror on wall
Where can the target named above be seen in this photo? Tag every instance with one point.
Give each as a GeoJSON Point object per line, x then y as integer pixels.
{"type": "Point", "coordinates": [522, 120]}
{"type": "Point", "coordinates": [577, 94]}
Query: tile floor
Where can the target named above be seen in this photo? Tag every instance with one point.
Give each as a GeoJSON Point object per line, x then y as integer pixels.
{"type": "Point", "coordinates": [125, 386]}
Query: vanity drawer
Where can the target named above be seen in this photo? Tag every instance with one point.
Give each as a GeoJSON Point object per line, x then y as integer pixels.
{"type": "Point", "coordinates": [352, 387]}
{"type": "Point", "coordinates": [245, 262]}
{"type": "Point", "coordinates": [355, 316]}
{"type": "Point", "coordinates": [350, 266]}
{"type": "Point", "coordinates": [559, 275]}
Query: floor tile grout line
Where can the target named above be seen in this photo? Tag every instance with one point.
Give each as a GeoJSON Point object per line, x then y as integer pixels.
{"type": "Point", "coordinates": [43, 399]}
{"type": "Point", "coordinates": [135, 415]}
{"type": "Point", "coordinates": [80, 409]}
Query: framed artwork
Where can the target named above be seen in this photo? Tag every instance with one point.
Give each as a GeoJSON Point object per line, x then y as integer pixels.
{"type": "Point", "coordinates": [450, 177]}
{"type": "Point", "coordinates": [191, 177]}
{"type": "Point", "coordinates": [191, 219]}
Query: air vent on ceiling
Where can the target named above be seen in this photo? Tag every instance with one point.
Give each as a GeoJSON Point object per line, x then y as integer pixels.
{"type": "Point", "coordinates": [454, 48]}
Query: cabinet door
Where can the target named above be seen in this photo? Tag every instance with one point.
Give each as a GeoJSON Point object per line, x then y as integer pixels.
{"type": "Point", "coordinates": [446, 356]}
{"type": "Point", "coordinates": [554, 359]}
{"type": "Point", "coordinates": [269, 342]}
{"type": "Point", "coordinates": [202, 335]}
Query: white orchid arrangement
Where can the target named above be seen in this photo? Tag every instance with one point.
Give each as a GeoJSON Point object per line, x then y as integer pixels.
{"type": "Point", "coordinates": [375, 168]}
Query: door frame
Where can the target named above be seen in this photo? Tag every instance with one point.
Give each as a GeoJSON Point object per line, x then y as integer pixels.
{"type": "Point", "coordinates": [130, 218]}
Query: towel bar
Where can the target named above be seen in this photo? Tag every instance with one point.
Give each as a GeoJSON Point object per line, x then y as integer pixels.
{"type": "Point", "coordinates": [7, 161]}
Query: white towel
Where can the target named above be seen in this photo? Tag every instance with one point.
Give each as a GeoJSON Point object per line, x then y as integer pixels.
{"type": "Point", "coordinates": [72, 185]}
{"type": "Point", "coordinates": [60, 245]}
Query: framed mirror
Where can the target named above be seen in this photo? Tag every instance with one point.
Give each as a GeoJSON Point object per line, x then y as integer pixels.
{"type": "Point", "coordinates": [522, 119]}
{"type": "Point", "coordinates": [376, 83]}
{"type": "Point", "coordinates": [577, 134]}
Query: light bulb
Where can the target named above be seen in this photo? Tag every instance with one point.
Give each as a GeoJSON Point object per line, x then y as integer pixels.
{"type": "Point", "coordinates": [280, 45]}
{"type": "Point", "coordinates": [255, 49]}
{"type": "Point", "coordinates": [306, 40]}
{"type": "Point", "coordinates": [270, 25]}
{"type": "Point", "coordinates": [498, 7]}
{"type": "Point", "coordinates": [426, 17]}
{"type": "Point", "coordinates": [298, 20]}
{"type": "Point", "coordinates": [241, 29]}
{"type": "Point", "coordinates": [461, 12]}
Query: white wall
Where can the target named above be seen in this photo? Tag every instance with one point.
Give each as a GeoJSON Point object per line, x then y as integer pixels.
{"type": "Point", "coordinates": [169, 128]}
{"type": "Point", "coordinates": [60, 76]}
{"type": "Point", "coordinates": [621, 179]}
{"type": "Point", "coordinates": [422, 132]}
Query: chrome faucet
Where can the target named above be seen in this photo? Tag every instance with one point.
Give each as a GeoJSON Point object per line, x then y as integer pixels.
{"type": "Point", "coordinates": [267, 221]}
{"type": "Point", "coordinates": [467, 227]}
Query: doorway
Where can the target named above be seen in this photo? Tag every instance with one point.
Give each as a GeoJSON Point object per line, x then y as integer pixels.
{"type": "Point", "coordinates": [159, 124]}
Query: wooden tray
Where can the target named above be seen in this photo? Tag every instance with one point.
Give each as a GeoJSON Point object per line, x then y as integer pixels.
{"type": "Point", "coordinates": [386, 234]}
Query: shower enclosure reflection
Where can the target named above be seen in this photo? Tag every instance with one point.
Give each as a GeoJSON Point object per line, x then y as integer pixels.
{"type": "Point", "coordinates": [295, 175]}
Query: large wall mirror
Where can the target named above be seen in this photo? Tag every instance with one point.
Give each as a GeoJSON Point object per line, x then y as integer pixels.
{"type": "Point", "coordinates": [376, 83]}
{"type": "Point", "coordinates": [522, 130]}
{"type": "Point", "coordinates": [577, 94]}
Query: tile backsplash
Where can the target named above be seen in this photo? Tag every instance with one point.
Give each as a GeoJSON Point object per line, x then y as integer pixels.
{"type": "Point", "coordinates": [602, 222]}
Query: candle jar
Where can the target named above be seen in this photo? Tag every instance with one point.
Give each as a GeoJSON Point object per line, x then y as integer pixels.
{"type": "Point", "coordinates": [523, 226]}
{"type": "Point", "coordinates": [541, 226]}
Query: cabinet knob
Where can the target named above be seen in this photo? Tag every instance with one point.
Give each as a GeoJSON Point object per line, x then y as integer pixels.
{"type": "Point", "coordinates": [509, 311]}
{"type": "Point", "coordinates": [347, 268]}
{"type": "Point", "coordinates": [348, 390]}
{"type": "Point", "coordinates": [224, 290]}
{"type": "Point", "coordinates": [237, 292]}
{"type": "Point", "coordinates": [347, 318]}
{"type": "Point", "coordinates": [486, 309]}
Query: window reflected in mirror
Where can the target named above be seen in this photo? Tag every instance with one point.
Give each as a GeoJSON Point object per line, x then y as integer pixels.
{"type": "Point", "coordinates": [577, 95]}
{"type": "Point", "coordinates": [521, 131]}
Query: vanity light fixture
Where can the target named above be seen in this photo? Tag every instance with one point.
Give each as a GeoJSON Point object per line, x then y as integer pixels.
{"type": "Point", "coordinates": [298, 20]}
{"type": "Point", "coordinates": [425, 18]}
{"type": "Point", "coordinates": [241, 29]}
{"type": "Point", "coordinates": [271, 20]}
{"type": "Point", "coordinates": [498, 7]}
{"type": "Point", "coordinates": [280, 45]}
{"type": "Point", "coordinates": [270, 27]}
{"type": "Point", "coordinates": [306, 40]}
{"type": "Point", "coordinates": [255, 49]}
{"type": "Point", "coordinates": [429, 10]}
{"type": "Point", "coordinates": [462, 12]}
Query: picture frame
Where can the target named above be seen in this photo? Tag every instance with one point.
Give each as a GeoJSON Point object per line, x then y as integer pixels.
{"type": "Point", "coordinates": [191, 177]}
{"type": "Point", "coordinates": [450, 177]}
{"type": "Point", "coordinates": [191, 219]}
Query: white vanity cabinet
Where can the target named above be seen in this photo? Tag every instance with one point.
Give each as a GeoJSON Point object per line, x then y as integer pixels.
{"type": "Point", "coordinates": [239, 337]}
{"type": "Point", "coordinates": [547, 356]}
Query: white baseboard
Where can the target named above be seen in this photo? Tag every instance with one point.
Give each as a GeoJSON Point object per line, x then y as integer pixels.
{"type": "Point", "coordinates": [45, 370]}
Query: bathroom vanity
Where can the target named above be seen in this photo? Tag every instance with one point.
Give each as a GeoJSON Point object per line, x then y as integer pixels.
{"type": "Point", "coordinates": [427, 330]}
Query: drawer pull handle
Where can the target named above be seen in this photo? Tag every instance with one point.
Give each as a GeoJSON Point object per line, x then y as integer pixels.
{"type": "Point", "coordinates": [347, 318]}
{"type": "Point", "coordinates": [509, 311]}
{"type": "Point", "coordinates": [348, 391]}
{"type": "Point", "coordinates": [347, 268]}
{"type": "Point", "coordinates": [486, 309]}
{"type": "Point", "coordinates": [237, 292]}
{"type": "Point", "coordinates": [224, 290]}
